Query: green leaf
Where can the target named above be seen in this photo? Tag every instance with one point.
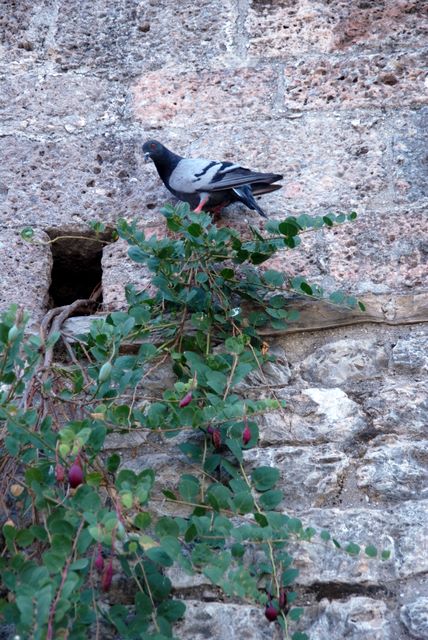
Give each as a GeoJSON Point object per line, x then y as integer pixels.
{"type": "Point", "coordinates": [243, 502]}
{"type": "Point", "coordinates": [274, 278]}
{"type": "Point", "coordinates": [265, 478]}
{"type": "Point", "coordinates": [299, 635]}
{"type": "Point", "coordinates": [289, 576]}
{"type": "Point", "coordinates": [289, 227]}
{"type": "Point", "coordinates": [216, 380]}
{"type": "Point", "coordinates": [188, 488]}
{"type": "Point", "coordinates": [159, 556]}
{"type": "Point", "coordinates": [27, 233]}
{"type": "Point", "coordinates": [213, 573]}
{"type": "Point", "coordinates": [386, 554]}
{"type": "Point", "coordinates": [235, 448]}
{"type": "Point", "coordinates": [261, 519]}
{"type": "Point", "coordinates": [142, 520]}
{"type": "Point", "coordinates": [352, 548]}
{"type": "Point", "coordinates": [361, 305]}
{"type": "Point", "coordinates": [172, 610]}
{"type": "Point", "coordinates": [195, 229]}
{"type": "Point", "coordinates": [167, 526]}
{"type": "Point", "coordinates": [306, 288]}
{"type": "Point", "coordinates": [325, 535]}
{"type": "Point", "coordinates": [113, 463]}
{"type": "Point", "coordinates": [235, 345]}
{"type": "Point", "coordinates": [191, 533]}
{"type": "Point", "coordinates": [227, 274]}
{"type": "Point", "coordinates": [271, 499]}
{"type": "Point", "coordinates": [371, 551]}
{"type": "Point", "coordinates": [295, 614]}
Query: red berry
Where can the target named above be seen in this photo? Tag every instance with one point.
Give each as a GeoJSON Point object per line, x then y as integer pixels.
{"type": "Point", "coordinates": [271, 612]}
{"type": "Point", "coordinates": [216, 438]}
{"type": "Point", "coordinates": [107, 576]}
{"type": "Point", "coordinates": [99, 560]}
{"type": "Point", "coordinates": [75, 475]}
{"type": "Point", "coordinates": [59, 473]}
{"type": "Point", "coordinates": [246, 435]}
{"type": "Point", "coordinates": [186, 400]}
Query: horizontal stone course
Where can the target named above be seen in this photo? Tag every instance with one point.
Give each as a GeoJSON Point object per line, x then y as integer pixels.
{"type": "Point", "coordinates": [280, 28]}
{"type": "Point", "coordinates": [376, 80]}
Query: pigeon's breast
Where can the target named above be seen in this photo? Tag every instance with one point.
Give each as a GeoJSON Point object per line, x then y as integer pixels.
{"type": "Point", "coordinates": [192, 175]}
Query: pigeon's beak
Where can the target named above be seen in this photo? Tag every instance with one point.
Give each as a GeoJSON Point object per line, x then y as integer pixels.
{"type": "Point", "coordinates": [146, 157]}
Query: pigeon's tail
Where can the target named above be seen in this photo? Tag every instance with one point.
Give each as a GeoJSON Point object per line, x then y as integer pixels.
{"type": "Point", "coordinates": [260, 188]}
{"type": "Point", "coordinates": [245, 195]}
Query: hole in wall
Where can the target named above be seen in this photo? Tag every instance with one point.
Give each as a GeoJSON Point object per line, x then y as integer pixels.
{"type": "Point", "coordinates": [76, 270]}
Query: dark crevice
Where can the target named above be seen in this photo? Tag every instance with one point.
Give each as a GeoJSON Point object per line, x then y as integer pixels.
{"type": "Point", "coordinates": [337, 591]}
{"type": "Point", "coordinates": [76, 270]}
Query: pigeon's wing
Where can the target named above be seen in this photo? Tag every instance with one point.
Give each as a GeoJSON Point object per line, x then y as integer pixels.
{"type": "Point", "coordinates": [233, 175]}
{"type": "Point", "coordinates": [193, 174]}
{"type": "Point", "coordinates": [202, 175]}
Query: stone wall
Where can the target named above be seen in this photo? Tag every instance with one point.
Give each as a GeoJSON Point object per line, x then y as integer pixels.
{"type": "Point", "coordinates": [330, 93]}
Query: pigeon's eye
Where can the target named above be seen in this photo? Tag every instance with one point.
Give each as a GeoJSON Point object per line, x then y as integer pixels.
{"type": "Point", "coordinates": [153, 146]}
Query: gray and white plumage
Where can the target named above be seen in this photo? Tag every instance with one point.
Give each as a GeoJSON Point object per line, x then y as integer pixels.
{"type": "Point", "coordinates": [209, 184]}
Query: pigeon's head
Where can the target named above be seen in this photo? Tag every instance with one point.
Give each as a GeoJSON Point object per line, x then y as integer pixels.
{"type": "Point", "coordinates": [154, 150]}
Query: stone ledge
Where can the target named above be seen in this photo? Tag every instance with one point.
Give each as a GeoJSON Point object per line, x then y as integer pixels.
{"type": "Point", "coordinates": [393, 310]}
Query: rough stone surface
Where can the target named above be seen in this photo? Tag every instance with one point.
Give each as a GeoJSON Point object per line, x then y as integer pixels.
{"type": "Point", "coordinates": [374, 80]}
{"type": "Point", "coordinates": [359, 617]}
{"type": "Point", "coordinates": [414, 616]}
{"type": "Point", "coordinates": [332, 94]}
{"type": "Point", "coordinates": [344, 362]}
{"type": "Point", "coordinates": [310, 476]}
{"type": "Point", "coordinates": [215, 620]}
{"type": "Point", "coordinates": [313, 416]}
{"type": "Point", "coordinates": [20, 282]}
{"type": "Point", "coordinates": [283, 28]}
{"type": "Point", "coordinates": [394, 469]}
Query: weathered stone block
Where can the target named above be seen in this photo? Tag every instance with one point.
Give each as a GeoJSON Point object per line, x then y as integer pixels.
{"type": "Point", "coordinates": [282, 28]}
{"type": "Point", "coordinates": [399, 407]}
{"type": "Point", "coordinates": [411, 354]}
{"type": "Point", "coordinates": [25, 28]}
{"type": "Point", "coordinates": [122, 38]}
{"type": "Point", "coordinates": [119, 270]}
{"type": "Point", "coordinates": [34, 102]}
{"type": "Point", "coordinates": [217, 620]}
{"type": "Point", "coordinates": [402, 529]}
{"type": "Point", "coordinates": [414, 616]}
{"type": "Point", "coordinates": [70, 180]}
{"type": "Point", "coordinates": [410, 161]}
{"type": "Point", "coordinates": [359, 618]}
{"type": "Point", "coordinates": [382, 251]}
{"type": "Point", "coordinates": [310, 476]}
{"type": "Point", "coordinates": [345, 362]}
{"type": "Point", "coordinates": [312, 416]}
{"type": "Point", "coordinates": [169, 98]}
{"type": "Point", "coordinates": [364, 81]}
{"type": "Point", "coordinates": [394, 469]}
{"type": "Point", "coordinates": [21, 282]}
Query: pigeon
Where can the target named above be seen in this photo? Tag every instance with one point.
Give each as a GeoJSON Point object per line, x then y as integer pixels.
{"type": "Point", "coordinates": [207, 184]}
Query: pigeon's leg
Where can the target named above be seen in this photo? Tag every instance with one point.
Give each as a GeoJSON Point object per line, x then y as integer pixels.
{"type": "Point", "coordinates": [203, 201]}
{"type": "Point", "coordinates": [216, 211]}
